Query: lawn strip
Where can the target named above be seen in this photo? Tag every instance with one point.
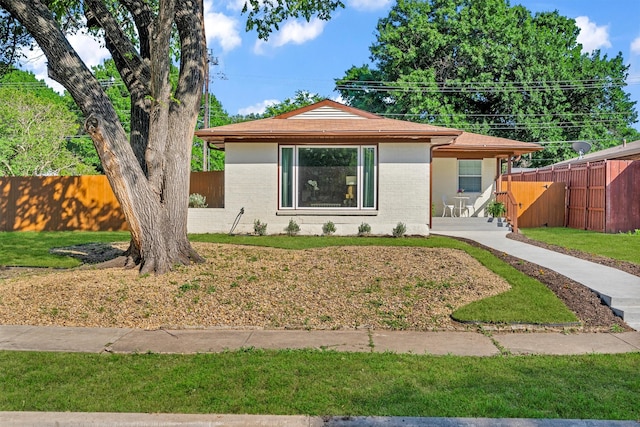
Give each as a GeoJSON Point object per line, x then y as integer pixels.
{"type": "Point", "coordinates": [620, 246]}
{"type": "Point", "coordinates": [325, 383]}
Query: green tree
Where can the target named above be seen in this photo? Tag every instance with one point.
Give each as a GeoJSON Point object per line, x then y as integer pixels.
{"type": "Point", "coordinates": [33, 135]}
{"type": "Point", "coordinates": [13, 37]}
{"type": "Point", "coordinates": [487, 67]}
{"type": "Point", "coordinates": [79, 144]}
{"type": "Point", "coordinates": [148, 168]}
{"type": "Point", "coordinates": [218, 116]}
{"type": "Point", "coordinates": [301, 99]}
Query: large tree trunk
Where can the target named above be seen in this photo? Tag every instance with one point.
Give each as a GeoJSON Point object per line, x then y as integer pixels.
{"type": "Point", "coordinates": [149, 174]}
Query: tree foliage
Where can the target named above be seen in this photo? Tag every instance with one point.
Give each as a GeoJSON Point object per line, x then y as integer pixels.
{"type": "Point", "coordinates": [13, 37]}
{"type": "Point", "coordinates": [302, 98]}
{"type": "Point", "coordinates": [36, 128]}
{"type": "Point", "coordinates": [487, 67]}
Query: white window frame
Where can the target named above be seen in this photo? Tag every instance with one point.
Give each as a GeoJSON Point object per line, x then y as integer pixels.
{"type": "Point", "coordinates": [479, 176]}
{"type": "Point", "coordinates": [359, 172]}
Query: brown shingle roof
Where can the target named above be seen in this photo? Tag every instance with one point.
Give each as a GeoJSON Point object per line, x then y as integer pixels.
{"type": "Point", "coordinates": [472, 142]}
{"type": "Point", "coordinates": [346, 122]}
{"type": "Point", "coordinates": [331, 120]}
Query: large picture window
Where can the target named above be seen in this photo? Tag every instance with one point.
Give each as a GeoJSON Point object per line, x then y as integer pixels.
{"type": "Point", "coordinates": [316, 177]}
{"type": "Point", "coordinates": [470, 175]}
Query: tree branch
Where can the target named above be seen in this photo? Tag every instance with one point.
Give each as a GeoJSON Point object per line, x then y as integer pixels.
{"type": "Point", "coordinates": [143, 18]}
{"type": "Point", "coordinates": [131, 66]}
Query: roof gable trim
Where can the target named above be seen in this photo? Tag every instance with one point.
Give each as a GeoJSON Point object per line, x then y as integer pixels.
{"type": "Point", "coordinates": [327, 109]}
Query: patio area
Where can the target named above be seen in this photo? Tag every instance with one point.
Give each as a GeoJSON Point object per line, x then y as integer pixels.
{"type": "Point", "coordinates": [442, 224]}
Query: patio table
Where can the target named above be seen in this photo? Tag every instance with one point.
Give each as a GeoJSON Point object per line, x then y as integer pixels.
{"type": "Point", "coordinates": [461, 203]}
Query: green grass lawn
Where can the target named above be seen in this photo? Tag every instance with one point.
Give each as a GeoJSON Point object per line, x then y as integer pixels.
{"type": "Point", "coordinates": [325, 383]}
{"type": "Point", "coordinates": [621, 246]}
{"type": "Point", "coordinates": [31, 249]}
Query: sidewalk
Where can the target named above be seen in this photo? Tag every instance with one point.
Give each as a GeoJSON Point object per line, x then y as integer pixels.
{"type": "Point", "coordinates": [185, 341]}
{"type": "Point", "coordinates": [66, 419]}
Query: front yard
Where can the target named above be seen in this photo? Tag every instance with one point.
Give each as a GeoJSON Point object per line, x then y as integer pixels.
{"type": "Point", "coordinates": [288, 282]}
{"type": "Point", "coordinates": [311, 283]}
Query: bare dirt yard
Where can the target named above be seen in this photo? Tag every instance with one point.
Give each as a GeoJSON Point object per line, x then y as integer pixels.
{"type": "Point", "coordinates": [254, 287]}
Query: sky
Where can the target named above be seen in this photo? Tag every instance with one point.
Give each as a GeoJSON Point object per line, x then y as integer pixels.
{"type": "Point", "coordinates": [251, 74]}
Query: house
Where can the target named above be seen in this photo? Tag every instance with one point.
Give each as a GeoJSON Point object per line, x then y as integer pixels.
{"type": "Point", "coordinates": [624, 151]}
{"type": "Point", "coordinates": [330, 162]}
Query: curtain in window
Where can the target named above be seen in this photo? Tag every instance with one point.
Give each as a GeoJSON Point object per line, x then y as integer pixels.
{"type": "Point", "coordinates": [287, 177]}
{"type": "Point", "coordinates": [368, 181]}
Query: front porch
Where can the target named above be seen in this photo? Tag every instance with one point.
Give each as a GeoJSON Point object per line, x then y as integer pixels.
{"type": "Point", "coordinates": [447, 224]}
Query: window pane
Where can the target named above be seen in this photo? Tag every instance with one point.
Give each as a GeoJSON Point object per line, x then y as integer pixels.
{"type": "Point", "coordinates": [470, 175]}
{"type": "Point", "coordinates": [327, 177]}
{"type": "Point", "coordinates": [369, 178]}
{"type": "Point", "coordinates": [286, 166]}
{"type": "Point", "coordinates": [470, 184]}
{"type": "Point", "coordinates": [470, 167]}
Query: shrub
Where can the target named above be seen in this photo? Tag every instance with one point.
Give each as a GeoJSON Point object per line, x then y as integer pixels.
{"type": "Point", "coordinates": [260, 228]}
{"type": "Point", "coordinates": [293, 228]}
{"type": "Point", "coordinates": [364, 229]}
{"type": "Point", "coordinates": [328, 228]}
{"type": "Point", "coordinates": [399, 230]}
{"type": "Point", "coordinates": [197, 201]}
{"type": "Point", "coordinates": [496, 209]}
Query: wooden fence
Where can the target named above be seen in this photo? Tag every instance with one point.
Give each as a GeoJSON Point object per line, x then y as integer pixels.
{"type": "Point", "coordinates": [539, 204]}
{"type": "Point", "coordinates": [601, 196]}
{"type": "Point", "coordinates": [78, 202]}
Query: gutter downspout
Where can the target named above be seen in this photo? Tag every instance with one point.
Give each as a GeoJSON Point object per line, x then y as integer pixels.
{"type": "Point", "coordinates": [433, 146]}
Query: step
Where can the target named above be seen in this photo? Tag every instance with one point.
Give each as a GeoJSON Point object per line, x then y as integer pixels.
{"type": "Point", "coordinates": [630, 314]}
{"type": "Point", "coordinates": [634, 325]}
{"type": "Point", "coordinates": [617, 301]}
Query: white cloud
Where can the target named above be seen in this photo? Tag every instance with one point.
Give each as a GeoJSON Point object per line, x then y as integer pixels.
{"type": "Point", "coordinates": [369, 5]}
{"type": "Point", "coordinates": [591, 35]}
{"type": "Point", "coordinates": [258, 108]}
{"type": "Point", "coordinates": [296, 32]}
{"type": "Point", "coordinates": [339, 99]}
{"type": "Point", "coordinates": [635, 46]}
{"type": "Point", "coordinates": [236, 5]}
{"type": "Point", "coordinates": [221, 28]}
{"type": "Point", "coordinates": [89, 49]}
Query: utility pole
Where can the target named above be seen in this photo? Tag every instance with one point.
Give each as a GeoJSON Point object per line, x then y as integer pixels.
{"type": "Point", "coordinates": [210, 60]}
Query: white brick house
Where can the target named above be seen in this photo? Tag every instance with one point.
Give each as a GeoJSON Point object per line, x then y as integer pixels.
{"type": "Point", "coordinates": [329, 162]}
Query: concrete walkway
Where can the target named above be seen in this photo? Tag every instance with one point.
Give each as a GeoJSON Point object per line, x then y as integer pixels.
{"type": "Point", "coordinates": [185, 341]}
{"type": "Point", "coordinates": [619, 290]}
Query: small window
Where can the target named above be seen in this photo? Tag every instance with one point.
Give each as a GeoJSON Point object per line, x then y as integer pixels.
{"type": "Point", "coordinates": [470, 175]}
{"type": "Point", "coordinates": [327, 177]}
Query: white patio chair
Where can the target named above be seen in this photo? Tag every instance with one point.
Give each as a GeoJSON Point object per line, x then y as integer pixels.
{"type": "Point", "coordinates": [470, 207]}
{"type": "Point", "coordinates": [446, 206]}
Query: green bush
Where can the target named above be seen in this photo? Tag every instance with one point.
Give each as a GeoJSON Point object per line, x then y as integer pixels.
{"type": "Point", "coordinates": [364, 229]}
{"type": "Point", "coordinates": [293, 228]}
{"type": "Point", "coordinates": [260, 228]}
{"type": "Point", "coordinates": [399, 230]}
{"type": "Point", "coordinates": [197, 201]}
{"type": "Point", "coordinates": [328, 228]}
{"type": "Point", "coordinates": [496, 209]}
